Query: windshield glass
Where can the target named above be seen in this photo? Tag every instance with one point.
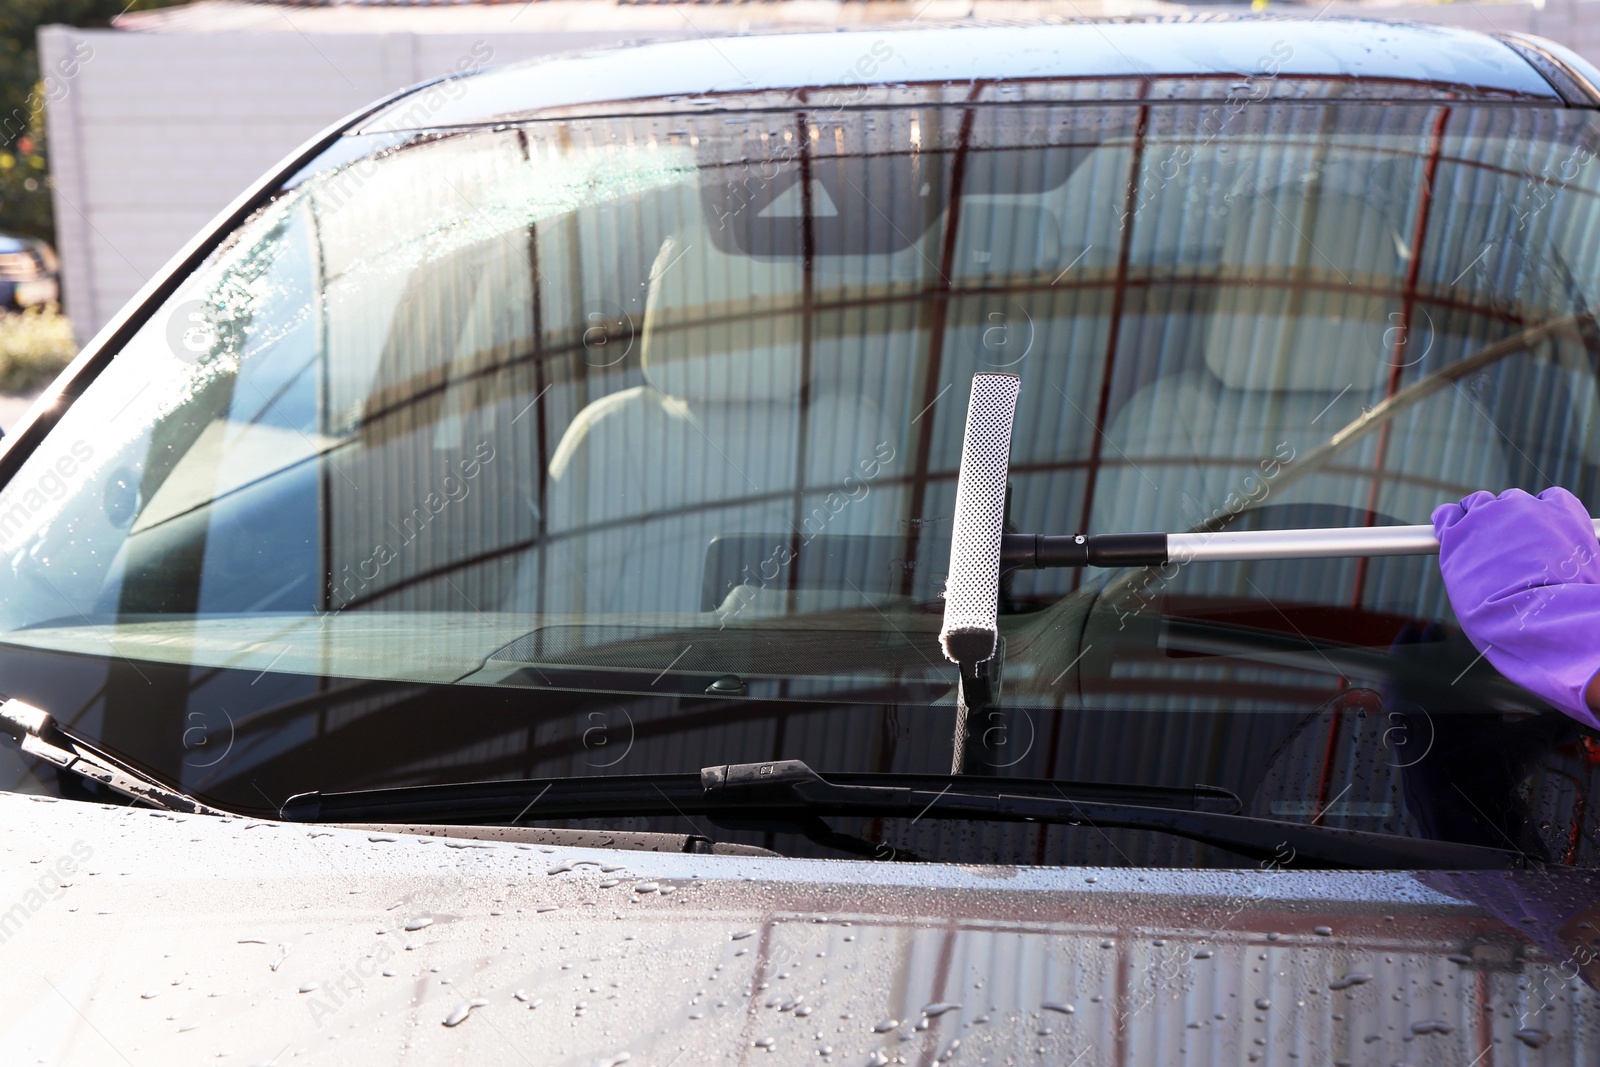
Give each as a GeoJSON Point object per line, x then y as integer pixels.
{"type": "Point", "coordinates": [625, 445]}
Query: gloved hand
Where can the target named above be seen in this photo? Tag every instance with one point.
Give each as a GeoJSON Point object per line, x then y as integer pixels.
{"type": "Point", "coordinates": [1523, 574]}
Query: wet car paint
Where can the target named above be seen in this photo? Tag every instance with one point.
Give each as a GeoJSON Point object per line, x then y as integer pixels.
{"type": "Point", "coordinates": [147, 937]}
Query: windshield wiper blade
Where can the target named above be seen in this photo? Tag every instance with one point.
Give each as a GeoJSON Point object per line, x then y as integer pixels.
{"type": "Point", "coordinates": [39, 735]}
{"type": "Point", "coordinates": [790, 794]}
{"type": "Point", "coordinates": [703, 793]}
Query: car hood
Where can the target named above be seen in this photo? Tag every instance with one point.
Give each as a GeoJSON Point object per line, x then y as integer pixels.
{"type": "Point", "coordinates": [146, 937]}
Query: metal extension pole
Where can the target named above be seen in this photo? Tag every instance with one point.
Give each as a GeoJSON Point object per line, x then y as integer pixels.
{"type": "Point", "coordinates": [1157, 549]}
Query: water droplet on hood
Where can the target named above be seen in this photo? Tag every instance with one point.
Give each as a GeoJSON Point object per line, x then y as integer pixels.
{"type": "Point", "coordinates": [1350, 979]}
{"type": "Point", "coordinates": [413, 925]}
{"type": "Point", "coordinates": [933, 1011]}
{"type": "Point", "coordinates": [459, 1013]}
{"type": "Point", "coordinates": [1057, 1005]}
{"type": "Point", "coordinates": [1262, 1003]}
{"type": "Point", "coordinates": [1431, 1026]}
{"type": "Point", "coordinates": [885, 1025]}
{"type": "Point", "coordinates": [310, 987]}
{"type": "Point", "coordinates": [740, 935]}
{"type": "Point", "coordinates": [1533, 1038]}
{"type": "Point", "coordinates": [764, 1042]}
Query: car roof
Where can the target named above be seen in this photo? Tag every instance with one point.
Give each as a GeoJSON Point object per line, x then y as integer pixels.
{"type": "Point", "coordinates": [1467, 63]}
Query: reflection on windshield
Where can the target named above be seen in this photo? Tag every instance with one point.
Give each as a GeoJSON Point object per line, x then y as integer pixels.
{"type": "Point", "coordinates": [648, 407]}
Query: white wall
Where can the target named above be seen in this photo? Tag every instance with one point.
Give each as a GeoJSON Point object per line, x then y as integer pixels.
{"type": "Point", "coordinates": [1574, 23]}
{"type": "Point", "coordinates": [156, 132]}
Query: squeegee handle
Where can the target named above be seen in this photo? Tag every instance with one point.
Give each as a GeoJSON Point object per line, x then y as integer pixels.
{"type": "Point", "coordinates": [1156, 549]}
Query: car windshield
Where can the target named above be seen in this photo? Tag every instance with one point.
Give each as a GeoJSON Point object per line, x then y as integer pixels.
{"type": "Point", "coordinates": [627, 443]}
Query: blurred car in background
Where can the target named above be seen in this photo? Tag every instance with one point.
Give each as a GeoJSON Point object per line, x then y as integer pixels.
{"type": "Point", "coordinates": [29, 273]}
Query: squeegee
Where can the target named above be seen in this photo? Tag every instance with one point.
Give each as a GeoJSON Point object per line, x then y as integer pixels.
{"type": "Point", "coordinates": [980, 549]}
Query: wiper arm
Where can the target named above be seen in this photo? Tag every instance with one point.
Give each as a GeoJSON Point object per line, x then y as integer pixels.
{"type": "Point", "coordinates": [42, 737]}
{"type": "Point", "coordinates": [1266, 839]}
{"type": "Point", "coordinates": [791, 794]}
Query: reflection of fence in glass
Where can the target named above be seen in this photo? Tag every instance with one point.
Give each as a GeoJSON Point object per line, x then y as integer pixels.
{"type": "Point", "coordinates": [354, 582]}
{"type": "Point", "coordinates": [855, 487]}
{"type": "Point", "coordinates": [577, 402]}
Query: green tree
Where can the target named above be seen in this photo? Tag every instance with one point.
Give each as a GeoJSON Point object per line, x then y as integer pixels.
{"type": "Point", "coordinates": [24, 162]}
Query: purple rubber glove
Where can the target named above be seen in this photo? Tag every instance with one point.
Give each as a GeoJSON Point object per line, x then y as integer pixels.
{"type": "Point", "coordinates": [1523, 574]}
